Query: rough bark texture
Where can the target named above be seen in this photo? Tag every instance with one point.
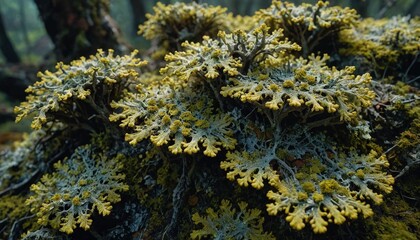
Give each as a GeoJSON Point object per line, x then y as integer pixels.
{"type": "Point", "coordinates": [79, 28]}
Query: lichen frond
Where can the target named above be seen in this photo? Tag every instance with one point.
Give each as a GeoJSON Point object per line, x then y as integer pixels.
{"type": "Point", "coordinates": [230, 223]}
{"type": "Point", "coordinates": [231, 54]}
{"type": "Point", "coordinates": [382, 42]}
{"type": "Point", "coordinates": [85, 86]}
{"type": "Point", "coordinates": [186, 121]}
{"type": "Point", "coordinates": [307, 24]}
{"type": "Point", "coordinates": [172, 24]}
{"type": "Point", "coordinates": [203, 59]}
{"type": "Point", "coordinates": [305, 83]}
{"type": "Point", "coordinates": [66, 198]}
{"type": "Point", "coordinates": [314, 182]}
{"type": "Point", "coordinates": [21, 162]}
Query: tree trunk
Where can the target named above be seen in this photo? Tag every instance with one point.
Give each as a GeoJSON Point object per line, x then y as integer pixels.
{"type": "Point", "coordinates": [414, 8]}
{"type": "Point", "coordinates": [24, 29]}
{"type": "Point", "coordinates": [6, 45]}
{"type": "Point", "coordinates": [79, 28]}
{"type": "Point", "coordinates": [361, 7]}
{"type": "Point", "coordinates": [15, 78]}
{"type": "Point", "coordinates": [139, 14]}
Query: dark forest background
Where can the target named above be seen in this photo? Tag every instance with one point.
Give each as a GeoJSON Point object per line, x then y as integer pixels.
{"type": "Point", "coordinates": [35, 34]}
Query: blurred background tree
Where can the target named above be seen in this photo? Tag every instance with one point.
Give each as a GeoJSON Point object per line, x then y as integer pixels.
{"type": "Point", "coordinates": [78, 28]}
{"type": "Point", "coordinates": [40, 30]}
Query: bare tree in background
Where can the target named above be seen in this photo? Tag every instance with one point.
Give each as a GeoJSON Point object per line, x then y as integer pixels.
{"type": "Point", "coordinates": [6, 45]}
{"type": "Point", "coordinates": [79, 28]}
{"type": "Point", "coordinates": [138, 10]}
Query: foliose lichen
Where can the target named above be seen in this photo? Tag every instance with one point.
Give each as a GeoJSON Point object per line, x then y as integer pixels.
{"type": "Point", "coordinates": [242, 110]}
{"type": "Point", "coordinates": [87, 181]}
{"type": "Point", "coordinates": [79, 91]}
{"type": "Point", "coordinates": [309, 25]}
{"type": "Point", "coordinates": [228, 223]}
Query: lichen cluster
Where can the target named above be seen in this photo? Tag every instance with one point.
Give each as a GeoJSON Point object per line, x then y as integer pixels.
{"type": "Point", "coordinates": [79, 91]}
{"type": "Point", "coordinates": [384, 44]}
{"type": "Point", "coordinates": [308, 83]}
{"type": "Point", "coordinates": [226, 223]}
{"type": "Point", "coordinates": [86, 181]}
{"type": "Point", "coordinates": [314, 183]}
{"type": "Point", "coordinates": [173, 24]}
{"type": "Point", "coordinates": [308, 25]}
{"type": "Point", "coordinates": [242, 131]}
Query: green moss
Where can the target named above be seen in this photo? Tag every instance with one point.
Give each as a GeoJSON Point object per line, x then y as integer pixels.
{"type": "Point", "coordinates": [12, 207]}
{"type": "Point", "coordinates": [389, 228]}
{"type": "Point", "coordinates": [398, 221]}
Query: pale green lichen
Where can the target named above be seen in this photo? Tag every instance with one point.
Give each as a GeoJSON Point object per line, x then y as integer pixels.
{"type": "Point", "coordinates": [382, 42]}
{"type": "Point", "coordinates": [21, 153]}
{"type": "Point", "coordinates": [308, 83]}
{"type": "Point", "coordinates": [170, 25]}
{"type": "Point", "coordinates": [20, 162]}
{"type": "Point", "coordinates": [231, 54]}
{"type": "Point", "coordinates": [81, 184]}
{"type": "Point", "coordinates": [228, 223]}
{"type": "Point", "coordinates": [298, 129]}
{"type": "Point", "coordinates": [314, 183]}
{"type": "Point", "coordinates": [187, 121]}
{"type": "Point", "coordinates": [309, 25]}
{"type": "Point", "coordinates": [81, 90]}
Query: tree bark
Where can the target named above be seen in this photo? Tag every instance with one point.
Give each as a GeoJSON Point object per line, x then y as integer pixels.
{"type": "Point", "coordinates": [139, 14]}
{"type": "Point", "coordinates": [14, 79]}
{"type": "Point", "coordinates": [24, 29]}
{"type": "Point", "coordinates": [361, 7]}
{"type": "Point", "coordinates": [414, 8]}
{"type": "Point", "coordinates": [6, 45]}
{"type": "Point", "coordinates": [79, 28]}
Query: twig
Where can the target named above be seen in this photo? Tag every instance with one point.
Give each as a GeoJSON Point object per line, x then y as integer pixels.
{"type": "Point", "coordinates": [411, 198]}
{"type": "Point", "coordinates": [407, 168]}
{"type": "Point", "coordinates": [411, 65]}
{"type": "Point", "coordinates": [1, 222]}
{"type": "Point", "coordinates": [216, 94]}
{"type": "Point", "coordinates": [19, 185]}
{"type": "Point", "coordinates": [16, 224]}
{"type": "Point", "coordinates": [413, 159]}
{"type": "Point", "coordinates": [414, 79]}
{"type": "Point", "coordinates": [177, 196]}
{"type": "Point", "coordinates": [390, 149]}
{"type": "Point", "coordinates": [41, 168]}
